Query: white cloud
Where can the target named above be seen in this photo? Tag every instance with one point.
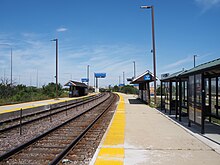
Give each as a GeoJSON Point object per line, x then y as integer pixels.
{"type": "Point", "coordinates": [207, 4]}
{"type": "Point", "coordinates": [176, 65]}
{"type": "Point", "coordinates": [62, 29]}
{"type": "Point", "coordinates": [35, 52]}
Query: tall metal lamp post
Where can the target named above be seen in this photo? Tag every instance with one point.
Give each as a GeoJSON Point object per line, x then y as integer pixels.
{"type": "Point", "coordinates": [154, 51]}
{"type": "Point", "coordinates": [56, 40]}
{"type": "Point", "coordinates": [88, 75]}
{"type": "Point", "coordinates": [134, 69]}
{"type": "Point", "coordinates": [194, 57]}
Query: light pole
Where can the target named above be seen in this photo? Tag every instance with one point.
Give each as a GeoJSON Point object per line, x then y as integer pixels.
{"type": "Point", "coordinates": [124, 78]}
{"type": "Point", "coordinates": [154, 51]}
{"type": "Point", "coordinates": [119, 80]}
{"type": "Point", "coordinates": [194, 57]}
{"type": "Point", "coordinates": [11, 61]}
{"type": "Point", "coordinates": [88, 75]}
{"type": "Point", "coordinates": [94, 80]}
{"type": "Point", "coordinates": [134, 69]}
{"type": "Point", "coordinates": [56, 40]}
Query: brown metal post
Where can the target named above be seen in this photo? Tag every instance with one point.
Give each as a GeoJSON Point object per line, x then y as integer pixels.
{"type": "Point", "coordinates": [153, 50]}
{"type": "Point", "coordinates": [66, 108]}
{"type": "Point", "coordinates": [154, 56]}
{"type": "Point", "coordinates": [56, 68]}
{"type": "Point", "coordinates": [50, 114]}
{"type": "Point", "coordinates": [11, 66]}
{"type": "Point", "coordinates": [20, 122]}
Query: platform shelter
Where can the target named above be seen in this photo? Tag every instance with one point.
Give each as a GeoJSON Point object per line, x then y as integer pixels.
{"type": "Point", "coordinates": [77, 88]}
{"type": "Point", "coordinates": [144, 85]}
{"type": "Point", "coordinates": [195, 91]}
{"type": "Point", "coordinates": [170, 84]}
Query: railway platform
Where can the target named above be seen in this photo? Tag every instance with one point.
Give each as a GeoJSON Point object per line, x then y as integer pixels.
{"type": "Point", "coordinates": [6, 110]}
{"type": "Point", "coordinates": [139, 134]}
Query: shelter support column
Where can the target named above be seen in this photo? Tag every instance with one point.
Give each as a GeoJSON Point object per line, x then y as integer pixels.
{"type": "Point", "coordinates": [203, 105]}
{"type": "Point", "coordinates": [161, 95]}
{"type": "Point", "coordinates": [210, 90]}
{"type": "Point", "coordinates": [147, 89]}
{"type": "Point", "coordinates": [170, 99]}
{"type": "Point", "coordinates": [189, 122]}
{"type": "Point", "coordinates": [180, 99]}
{"type": "Point", "coordinates": [176, 102]}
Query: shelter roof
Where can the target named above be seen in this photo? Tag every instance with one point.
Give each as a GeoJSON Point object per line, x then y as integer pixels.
{"type": "Point", "coordinates": [76, 84]}
{"type": "Point", "coordinates": [173, 76]}
{"type": "Point", "coordinates": [143, 78]}
{"type": "Point", "coordinates": [208, 66]}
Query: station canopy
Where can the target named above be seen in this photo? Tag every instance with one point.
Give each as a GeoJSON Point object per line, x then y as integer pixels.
{"type": "Point", "coordinates": [76, 84]}
{"type": "Point", "coordinates": [208, 68]}
{"type": "Point", "coordinates": [145, 77]}
{"type": "Point", "coordinates": [173, 76]}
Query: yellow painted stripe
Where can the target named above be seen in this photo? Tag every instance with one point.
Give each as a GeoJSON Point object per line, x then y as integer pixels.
{"type": "Point", "coordinates": [37, 104]}
{"type": "Point", "coordinates": [112, 149]}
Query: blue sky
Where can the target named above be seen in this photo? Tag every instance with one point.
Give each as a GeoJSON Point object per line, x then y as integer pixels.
{"type": "Point", "coordinates": [108, 35]}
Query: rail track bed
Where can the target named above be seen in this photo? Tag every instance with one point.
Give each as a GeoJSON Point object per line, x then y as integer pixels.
{"type": "Point", "coordinates": [52, 146]}
{"type": "Point", "coordinates": [13, 137]}
{"type": "Point", "coordinates": [14, 122]}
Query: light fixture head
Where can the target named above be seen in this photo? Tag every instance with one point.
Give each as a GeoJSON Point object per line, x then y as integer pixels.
{"type": "Point", "coordinates": [146, 7]}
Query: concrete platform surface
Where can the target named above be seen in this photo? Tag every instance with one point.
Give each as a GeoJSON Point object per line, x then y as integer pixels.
{"type": "Point", "coordinates": [151, 138]}
{"type": "Point", "coordinates": [27, 105]}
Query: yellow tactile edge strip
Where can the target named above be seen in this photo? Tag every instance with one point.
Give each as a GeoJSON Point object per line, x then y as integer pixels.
{"type": "Point", "coordinates": [111, 151]}
{"type": "Point", "coordinates": [53, 101]}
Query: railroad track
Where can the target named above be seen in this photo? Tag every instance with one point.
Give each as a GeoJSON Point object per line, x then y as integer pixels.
{"type": "Point", "coordinates": [51, 146]}
{"type": "Point", "coordinates": [29, 118]}
{"type": "Point", "coordinates": [12, 138]}
{"type": "Point", "coordinates": [83, 151]}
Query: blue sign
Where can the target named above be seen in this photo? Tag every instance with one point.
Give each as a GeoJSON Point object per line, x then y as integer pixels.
{"type": "Point", "coordinates": [100, 75]}
{"type": "Point", "coordinates": [84, 79]}
{"type": "Point", "coordinates": [121, 85]}
{"type": "Point", "coordinates": [147, 77]}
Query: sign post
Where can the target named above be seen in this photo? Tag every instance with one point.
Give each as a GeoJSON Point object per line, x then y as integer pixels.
{"type": "Point", "coordinates": [84, 80]}
{"type": "Point", "coordinates": [99, 75]}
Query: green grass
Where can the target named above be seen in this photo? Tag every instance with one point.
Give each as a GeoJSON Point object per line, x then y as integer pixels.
{"type": "Point", "coordinates": [214, 120]}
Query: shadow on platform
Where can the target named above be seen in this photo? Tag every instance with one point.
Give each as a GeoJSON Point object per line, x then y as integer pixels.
{"type": "Point", "coordinates": [212, 131]}
{"type": "Point", "coordinates": [135, 101]}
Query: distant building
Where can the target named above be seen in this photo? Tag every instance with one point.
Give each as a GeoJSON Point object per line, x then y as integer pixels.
{"type": "Point", "coordinates": [77, 88]}
{"type": "Point", "coordinates": [143, 82]}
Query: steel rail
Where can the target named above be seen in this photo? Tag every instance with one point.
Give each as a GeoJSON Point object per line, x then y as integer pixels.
{"type": "Point", "coordinates": [47, 110]}
{"type": "Point", "coordinates": [24, 145]}
{"type": "Point", "coordinates": [78, 138]}
{"type": "Point", "coordinates": [47, 115]}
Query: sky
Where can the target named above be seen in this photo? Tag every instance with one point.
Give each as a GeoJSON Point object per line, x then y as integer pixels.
{"type": "Point", "coordinates": [107, 35]}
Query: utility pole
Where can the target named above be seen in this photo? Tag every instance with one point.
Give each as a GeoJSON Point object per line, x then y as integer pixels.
{"type": "Point", "coordinates": [56, 40]}
{"type": "Point", "coordinates": [153, 50]}
{"type": "Point", "coordinates": [124, 78]}
{"type": "Point", "coordinates": [119, 80]}
{"type": "Point", "coordinates": [11, 66]}
{"type": "Point", "coordinates": [37, 79]}
{"type": "Point", "coordinates": [88, 75]}
{"type": "Point", "coordinates": [134, 69]}
{"type": "Point", "coordinates": [194, 57]}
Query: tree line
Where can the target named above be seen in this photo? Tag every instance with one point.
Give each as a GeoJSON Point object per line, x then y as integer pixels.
{"type": "Point", "coordinates": [10, 94]}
